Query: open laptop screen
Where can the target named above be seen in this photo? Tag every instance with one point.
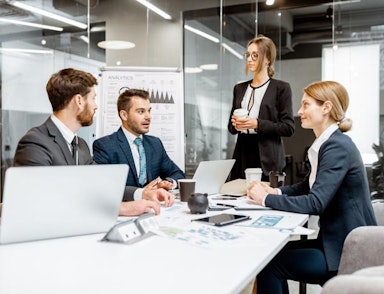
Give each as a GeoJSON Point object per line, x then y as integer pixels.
{"type": "Point", "coordinates": [57, 201]}
{"type": "Point", "coordinates": [211, 175]}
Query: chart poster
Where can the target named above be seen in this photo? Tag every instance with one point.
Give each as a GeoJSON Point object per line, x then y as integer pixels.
{"type": "Point", "coordinates": [166, 97]}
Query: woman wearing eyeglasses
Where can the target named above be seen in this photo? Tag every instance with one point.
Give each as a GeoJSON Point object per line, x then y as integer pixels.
{"type": "Point", "coordinates": [269, 105]}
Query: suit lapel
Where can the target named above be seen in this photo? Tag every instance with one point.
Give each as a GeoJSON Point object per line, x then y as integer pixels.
{"type": "Point", "coordinates": [126, 149]}
{"type": "Point", "coordinates": [241, 92]}
{"type": "Point", "coordinates": [60, 141]}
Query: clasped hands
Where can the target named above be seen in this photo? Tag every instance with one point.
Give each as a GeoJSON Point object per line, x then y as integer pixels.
{"type": "Point", "coordinates": [244, 123]}
{"type": "Point", "coordinates": [157, 191]}
{"type": "Point", "coordinates": [257, 191]}
{"type": "Point", "coordinates": [153, 194]}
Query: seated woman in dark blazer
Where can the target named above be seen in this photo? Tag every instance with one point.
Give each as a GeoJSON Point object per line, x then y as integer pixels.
{"type": "Point", "coordinates": [336, 189]}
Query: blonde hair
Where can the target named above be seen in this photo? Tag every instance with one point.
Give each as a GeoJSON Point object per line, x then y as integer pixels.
{"type": "Point", "coordinates": [266, 49]}
{"type": "Point", "coordinates": [336, 94]}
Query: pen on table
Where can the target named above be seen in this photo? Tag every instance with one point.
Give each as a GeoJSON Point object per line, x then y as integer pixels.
{"type": "Point", "coordinates": [227, 205]}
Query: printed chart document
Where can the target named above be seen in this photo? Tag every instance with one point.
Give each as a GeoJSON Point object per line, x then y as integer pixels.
{"type": "Point", "coordinates": [283, 223]}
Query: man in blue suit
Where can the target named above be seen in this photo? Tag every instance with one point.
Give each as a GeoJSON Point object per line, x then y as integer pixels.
{"type": "Point", "coordinates": [134, 110]}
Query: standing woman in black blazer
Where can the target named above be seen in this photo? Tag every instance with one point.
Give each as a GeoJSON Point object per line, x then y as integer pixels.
{"type": "Point", "coordinates": [269, 104]}
{"type": "Point", "coordinates": [336, 189]}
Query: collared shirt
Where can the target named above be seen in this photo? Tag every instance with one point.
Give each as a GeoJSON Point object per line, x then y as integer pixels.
{"type": "Point", "coordinates": [134, 149]}
{"type": "Point", "coordinates": [138, 194]}
{"type": "Point", "coordinates": [64, 130]}
{"type": "Point", "coordinates": [313, 151]}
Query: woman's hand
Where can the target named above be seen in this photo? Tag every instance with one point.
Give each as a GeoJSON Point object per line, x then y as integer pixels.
{"type": "Point", "coordinates": [244, 123]}
{"type": "Point", "coordinates": [258, 191]}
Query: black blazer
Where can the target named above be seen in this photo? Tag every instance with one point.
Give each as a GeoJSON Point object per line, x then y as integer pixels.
{"type": "Point", "coordinates": [275, 121]}
{"type": "Point", "coordinates": [340, 195]}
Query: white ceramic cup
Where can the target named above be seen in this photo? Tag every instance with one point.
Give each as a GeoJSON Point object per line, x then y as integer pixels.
{"type": "Point", "coordinates": [252, 174]}
{"type": "Point", "coordinates": [240, 112]}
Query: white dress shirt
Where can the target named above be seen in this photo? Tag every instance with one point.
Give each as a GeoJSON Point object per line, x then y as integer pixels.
{"type": "Point", "coordinates": [313, 151]}
{"type": "Point", "coordinates": [138, 194]}
{"type": "Point", "coordinates": [64, 130]}
{"type": "Point", "coordinates": [258, 97]}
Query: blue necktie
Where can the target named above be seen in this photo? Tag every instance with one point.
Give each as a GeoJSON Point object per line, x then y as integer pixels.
{"type": "Point", "coordinates": [143, 164]}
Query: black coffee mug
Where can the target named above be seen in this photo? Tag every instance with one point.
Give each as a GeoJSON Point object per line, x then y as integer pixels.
{"type": "Point", "coordinates": [276, 179]}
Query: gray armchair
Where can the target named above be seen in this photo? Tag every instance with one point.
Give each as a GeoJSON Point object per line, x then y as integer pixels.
{"type": "Point", "coordinates": [366, 281]}
{"type": "Point", "coordinates": [378, 208]}
{"type": "Point", "coordinates": [362, 263]}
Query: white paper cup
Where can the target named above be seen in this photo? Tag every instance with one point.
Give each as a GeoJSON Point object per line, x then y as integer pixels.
{"type": "Point", "coordinates": [252, 174]}
{"type": "Point", "coordinates": [240, 112]}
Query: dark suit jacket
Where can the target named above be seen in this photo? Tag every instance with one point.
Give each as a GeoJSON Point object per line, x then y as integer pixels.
{"type": "Point", "coordinates": [340, 195]}
{"type": "Point", "coordinates": [45, 145]}
{"type": "Point", "coordinates": [115, 149]}
{"type": "Point", "coordinates": [275, 121]}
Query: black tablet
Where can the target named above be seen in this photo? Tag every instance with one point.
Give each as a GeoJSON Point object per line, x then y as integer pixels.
{"type": "Point", "coordinates": [223, 219]}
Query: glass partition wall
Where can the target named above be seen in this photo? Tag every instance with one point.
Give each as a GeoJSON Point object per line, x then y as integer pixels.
{"type": "Point", "coordinates": [34, 45]}
{"type": "Point", "coordinates": [212, 64]}
{"type": "Point", "coordinates": [215, 40]}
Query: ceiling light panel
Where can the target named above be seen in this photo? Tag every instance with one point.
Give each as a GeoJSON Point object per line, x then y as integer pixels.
{"type": "Point", "coordinates": [47, 14]}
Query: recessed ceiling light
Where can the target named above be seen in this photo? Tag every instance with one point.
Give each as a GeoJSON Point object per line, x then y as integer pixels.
{"type": "Point", "coordinates": [116, 45]}
{"type": "Point", "coordinates": [211, 66]}
{"type": "Point", "coordinates": [22, 50]}
{"type": "Point", "coordinates": [48, 14]}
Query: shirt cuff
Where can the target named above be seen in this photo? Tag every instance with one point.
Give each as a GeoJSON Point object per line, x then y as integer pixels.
{"type": "Point", "coordinates": [263, 202]}
{"type": "Point", "coordinates": [278, 193]}
{"type": "Point", "coordinates": [174, 183]}
{"type": "Point", "coordinates": [138, 194]}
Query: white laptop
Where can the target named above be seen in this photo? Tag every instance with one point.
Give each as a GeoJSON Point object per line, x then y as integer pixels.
{"type": "Point", "coordinates": [43, 202]}
{"type": "Point", "coordinates": [211, 175]}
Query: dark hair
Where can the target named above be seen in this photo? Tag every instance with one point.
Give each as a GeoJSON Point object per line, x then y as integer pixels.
{"type": "Point", "coordinates": [62, 86]}
{"type": "Point", "coordinates": [124, 100]}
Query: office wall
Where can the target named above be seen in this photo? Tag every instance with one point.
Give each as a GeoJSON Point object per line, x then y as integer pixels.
{"type": "Point", "coordinates": [158, 41]}
{"type": "Point", "coordinates": [24, 99]}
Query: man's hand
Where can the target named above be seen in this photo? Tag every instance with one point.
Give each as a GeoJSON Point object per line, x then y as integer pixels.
{"type": "Point", "coordinates": [152, 192]}
{"type": "Point", "coordinates": [138, 207]}
{"type": "Point", "coordinates": [165, 184]}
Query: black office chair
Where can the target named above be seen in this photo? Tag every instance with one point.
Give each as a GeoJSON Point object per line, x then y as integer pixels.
{"type": "Point", "coordinates": [303, 167]}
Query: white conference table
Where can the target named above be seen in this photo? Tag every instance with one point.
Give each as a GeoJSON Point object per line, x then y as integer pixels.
{"type": "Point", "coordinates": [156, 264]}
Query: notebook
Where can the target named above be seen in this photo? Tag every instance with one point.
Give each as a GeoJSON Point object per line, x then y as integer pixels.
{"type": "Point", "coordinates": [43, 202]}
{"type": "Point", "coordinates": [211, 175]}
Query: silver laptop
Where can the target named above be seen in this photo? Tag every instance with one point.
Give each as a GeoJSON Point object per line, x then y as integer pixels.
{"type": "Point", "coordinates": [211, 175]}
{"type": "Point", "coordinates": [59, 201]}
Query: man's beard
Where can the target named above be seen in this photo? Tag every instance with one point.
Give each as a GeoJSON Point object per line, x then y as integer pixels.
{"type": "Point", "coordinates": [86, 117]}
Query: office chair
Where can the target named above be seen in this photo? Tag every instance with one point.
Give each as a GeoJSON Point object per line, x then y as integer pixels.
{"type": "Point", "coordinates": [361, 267]}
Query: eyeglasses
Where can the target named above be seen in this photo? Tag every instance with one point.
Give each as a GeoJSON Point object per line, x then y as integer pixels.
{"type": "Point", "coordinates": [253, 55]}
